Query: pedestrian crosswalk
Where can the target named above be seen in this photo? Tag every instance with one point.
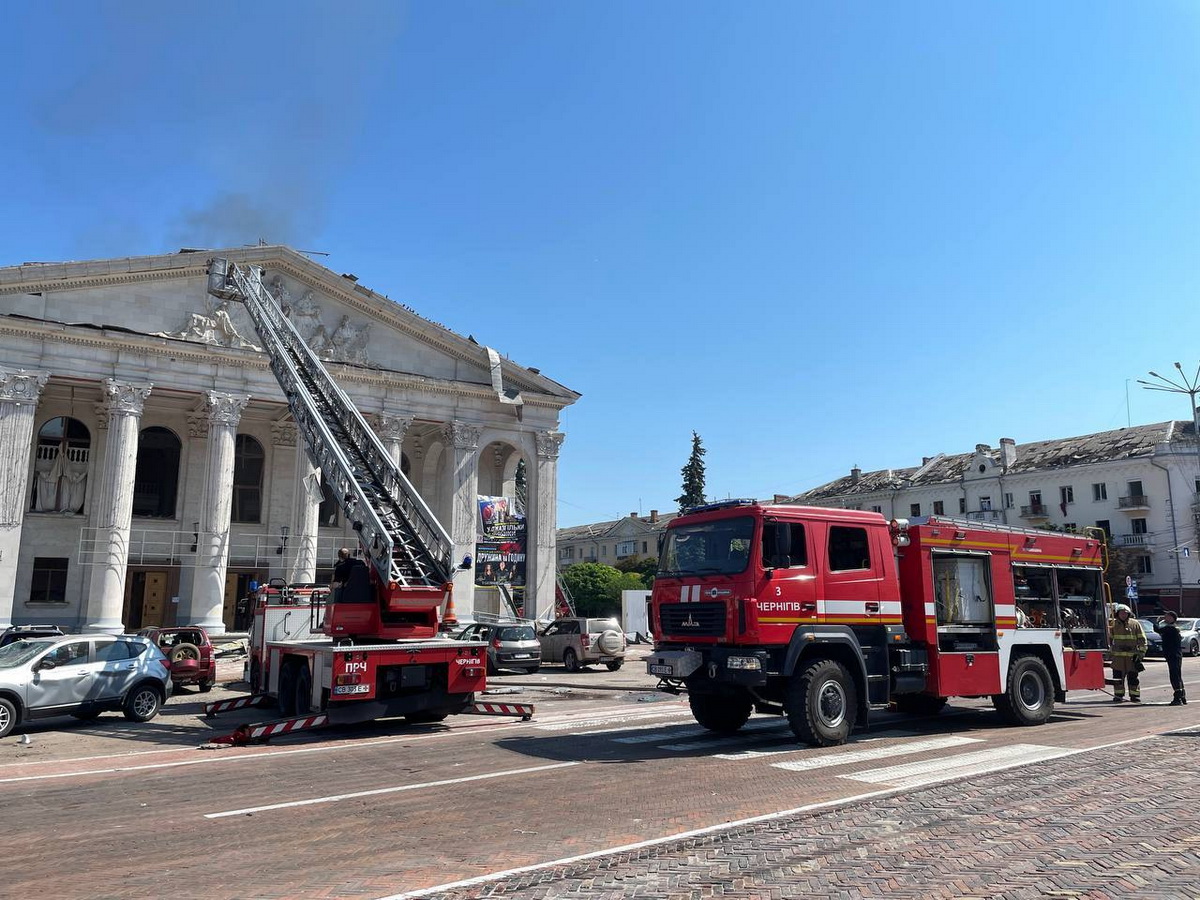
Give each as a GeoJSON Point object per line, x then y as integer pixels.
{"type": "Point", "coordinates": [933, 758]}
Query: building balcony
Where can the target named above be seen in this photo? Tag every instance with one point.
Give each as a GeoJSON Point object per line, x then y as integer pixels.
{"type": "Point", "coordinates": [1133, 540]}
{"type": "Point", "coordinates": [1035, 511]}
{"type": "Point", "coordinates": [1135, 501]}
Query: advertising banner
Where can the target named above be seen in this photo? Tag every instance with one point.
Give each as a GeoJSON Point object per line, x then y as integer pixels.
{"type": "Point", "coordinates": [500, 542]}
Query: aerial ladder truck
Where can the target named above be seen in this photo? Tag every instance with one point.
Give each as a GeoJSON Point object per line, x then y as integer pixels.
{"type": "Point", "coordinates": [382, 653]}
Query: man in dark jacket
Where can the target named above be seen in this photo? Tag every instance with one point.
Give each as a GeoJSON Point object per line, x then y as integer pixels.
{"type": "Point", "coordinates": [1173, 651]}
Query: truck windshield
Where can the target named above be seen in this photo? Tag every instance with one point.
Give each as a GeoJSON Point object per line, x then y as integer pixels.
{"type": "Point", "coordinates": [713, 548]}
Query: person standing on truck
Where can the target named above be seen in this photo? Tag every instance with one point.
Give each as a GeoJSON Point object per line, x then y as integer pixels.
{"type": "Point", "coordinates": [342, 570]}
{"type": "Point", "coordinates": [1173, 651]}
{"type": "Point", "coordinates": [1128, 648]}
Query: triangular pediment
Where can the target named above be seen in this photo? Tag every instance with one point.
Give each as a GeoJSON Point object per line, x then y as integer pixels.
{"type": "Point", "coordinates": [343, 321]}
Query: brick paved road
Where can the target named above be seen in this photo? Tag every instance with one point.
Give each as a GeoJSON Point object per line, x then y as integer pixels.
{"type": "Point", "coordinates": [1063, 828]}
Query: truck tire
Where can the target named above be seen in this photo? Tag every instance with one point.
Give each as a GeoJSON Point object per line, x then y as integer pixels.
{"type": "Point", "coordinates": [287, 689]}
{"type": "Point", "coordinates": [1029, 699]}
{"type": "Point", "coordinates": [303, 689]}
{"type": "Point", "coordinates": [822, 703]}
{"type": "Point", "coordinates": [722, 713]}
{"type": "Point", "coordinates": [919, 704]}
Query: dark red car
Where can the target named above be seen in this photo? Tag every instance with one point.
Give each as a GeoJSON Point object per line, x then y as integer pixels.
{"type": "Point", "coordinates": [189, 652]}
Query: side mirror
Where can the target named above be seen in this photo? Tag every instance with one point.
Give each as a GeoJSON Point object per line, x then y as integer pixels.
{"type": "Point", "coordinates": [45, 664]}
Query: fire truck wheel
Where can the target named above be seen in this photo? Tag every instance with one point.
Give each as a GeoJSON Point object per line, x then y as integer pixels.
{"type": "Point", "coordinates": [1029, 699]}
{"type": "Point", "coordinates": [919, 704]}
{"type": "Point", "coordinates": [255, 676]}
{"type": "Point", "coordinates": [822, 704]}
{"type": "Point", "coordinates": [303, 689]}
{"type": "Point", "coordinates": [570, 660]}
{"type": "Point", "coordinates": [287, 689]}
{"type": "Point", "coordinates": [722, 713]}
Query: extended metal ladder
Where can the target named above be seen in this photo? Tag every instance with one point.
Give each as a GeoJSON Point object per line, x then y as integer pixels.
{"type": "Point", "coordinates": [405, 542]}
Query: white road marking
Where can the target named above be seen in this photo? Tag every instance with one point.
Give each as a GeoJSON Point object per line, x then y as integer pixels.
{"type": "Point", "coordinates": [828, 760]}
{"type": "Point", "coordinates": [334, 798]}
{"type": "Point", "coordinates": [726, 740]}
{"type": "Point", "coordinates": [946, 768]}
{"type": "Point", "coordinates": [591, 721]}
{"type": "Point", "coordinates": [884, 735]}
{"type": "Point", "coordinates": [710, 829]}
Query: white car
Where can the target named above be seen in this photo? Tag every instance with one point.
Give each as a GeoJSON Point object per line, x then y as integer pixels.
{"type": "Point", "coordinates": [1189, 635]}
{"type": "Point", "coordinates": [580, 642]}
{"type": "Point", "coordinates": [81, 675]}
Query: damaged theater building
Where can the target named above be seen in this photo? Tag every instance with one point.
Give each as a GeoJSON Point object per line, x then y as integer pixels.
{"type": "Point", "coordinates": [150, 469]}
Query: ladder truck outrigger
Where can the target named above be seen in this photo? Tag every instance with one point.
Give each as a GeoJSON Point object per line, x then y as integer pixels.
{"type": "Point", "coordinates": [384, 653]}
{"type": "Point", "coordinates": [822, 615]}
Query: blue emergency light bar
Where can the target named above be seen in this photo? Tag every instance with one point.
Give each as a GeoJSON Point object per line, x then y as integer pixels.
{"type": "Point", "coordinates": [720, 504]}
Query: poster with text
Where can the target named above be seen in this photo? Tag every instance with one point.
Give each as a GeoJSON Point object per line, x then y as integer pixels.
{"type": "Point", "coordinates": [500, 542]}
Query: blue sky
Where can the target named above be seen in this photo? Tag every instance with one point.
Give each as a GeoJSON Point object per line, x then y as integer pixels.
{"type": "Point", "coordinates": [818, 234]}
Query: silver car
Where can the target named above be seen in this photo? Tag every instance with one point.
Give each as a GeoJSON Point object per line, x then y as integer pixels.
{"type": "Point", "coordinates": [510, 646]}
{"type": "Point", "coordinates": [580, 642]}
{"type": "Point", "coordinates": [81, 675]}
{"type": "Point", "coordinates": [1189, 635]}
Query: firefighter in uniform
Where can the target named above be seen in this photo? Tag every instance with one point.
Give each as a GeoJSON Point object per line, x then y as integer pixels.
{"type": "Point", "coordinates": [1128, 648]}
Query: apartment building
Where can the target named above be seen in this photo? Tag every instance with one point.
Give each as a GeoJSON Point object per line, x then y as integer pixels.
{"type": "Point", "coordinates": [610, 542]}
{"type": "Point", "coordinates": [1140, 484]}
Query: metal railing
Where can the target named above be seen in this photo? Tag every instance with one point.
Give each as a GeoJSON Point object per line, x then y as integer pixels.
{"type": "Point", "coordinates": [1035, 511]}
{"type": "Point", "coordinates": [1134, 501]}
{"type": "Point", "coordinates": [175, 548]}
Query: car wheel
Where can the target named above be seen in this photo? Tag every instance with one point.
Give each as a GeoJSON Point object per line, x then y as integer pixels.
{"type": "Point", "coordinates": [532, 670]}
{"type": "Point", "coordinates": [90, 715]}
{"type": "Point", "coordinates": [142, 703]}
{"type": "Point", "coordinates": [8, 716]}
{"type": "Point", "coordinates": [722, 713]}
{"type": "Point", "coordinates": [1029, 699]}
{"type": "Point", "coordinates": [822, 703]}
{"type": "Point", "coordinates": [570, 660]}
{"type": "Point", "coordinates": [615, 664]}
{"type": "Point", "coordinates": [1194, 648]}
{"type": "Point", "coordinates": [491, 667]}
{"type": "Point", "coordinates": [303, 704]}
{"type": "Point", "coordinates": [181, 652]}
{"type": "Point", "coordinates": [205, 687]}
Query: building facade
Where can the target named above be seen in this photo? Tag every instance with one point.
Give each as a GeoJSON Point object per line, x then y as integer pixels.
{"type": "Point", "coordinates": [1140, 484]}
{"type": "Point", "coordinates": [149, 466]}
{"type": "Point", "coordinates": [611, 542]}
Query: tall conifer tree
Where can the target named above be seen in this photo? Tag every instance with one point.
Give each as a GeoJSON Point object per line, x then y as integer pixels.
{"type": "Point", "coordinates": [693, 476]}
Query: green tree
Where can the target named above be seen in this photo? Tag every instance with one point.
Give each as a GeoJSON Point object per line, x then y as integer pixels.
{"type": "Point", "coordinates": [597, 588]}
{"type": "Point", "coordinates": [645, 566]}
{"type": "Point", "coordinates": [693, 476]}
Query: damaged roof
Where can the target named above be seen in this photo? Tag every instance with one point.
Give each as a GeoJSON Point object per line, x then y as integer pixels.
{"type": "Point", "coordinates": [1104, 446]}
{"type": "Point", "coordinates": [599, 530]}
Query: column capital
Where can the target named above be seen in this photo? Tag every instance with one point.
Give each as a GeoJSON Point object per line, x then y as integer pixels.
{"type": "Point", "coordinates": [548, 443]}
{"type": "Point", "coordinates": [224, 409]}
{"type": "Point", "coordinates": [125, 398]}
{"type": "Point", "coordinates": [22, 386]}
{"type": "Point", "coordinates": [463, 436]}
{"type": "Point", "coordinates": [390, 427]}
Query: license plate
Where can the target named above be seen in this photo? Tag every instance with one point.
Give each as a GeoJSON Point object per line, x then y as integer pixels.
{"type": "Point", "coordinates": [661, 670]}
{"type": "Point", "coordinates": [343, 689]}
{"type": "Point", "coordinates": [520, 656]}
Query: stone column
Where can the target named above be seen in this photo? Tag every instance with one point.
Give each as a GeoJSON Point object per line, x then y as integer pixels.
{"type": "Point", "coordinates": [464, 510]}
{"type": "Point", "coordinates": [19, 392]}
{"type": "Point", "coordinates": [124, 403]}
{"type": "Point", "coordinates": [391, 430]}
{"type": "Point", "coordinates": [541, 565]}
{"type": "Point", "coordinates": [302, 549]}
{"type": "Point", "coordinates": [206, 604]}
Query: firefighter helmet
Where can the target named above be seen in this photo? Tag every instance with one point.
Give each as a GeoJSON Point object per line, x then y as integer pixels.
{"type": "Point", "coordinates": [1120, 608]}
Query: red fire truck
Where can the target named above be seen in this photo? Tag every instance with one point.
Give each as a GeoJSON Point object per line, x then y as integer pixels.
{"type": "Point", "coordinates": [381, 651]}
{"type": "Point", "coordinates": [822, 615]}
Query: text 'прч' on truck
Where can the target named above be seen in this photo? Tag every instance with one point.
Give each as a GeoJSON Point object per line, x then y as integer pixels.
{"type": "Point", "coordinates": [383, 652]}
{"type": "Point", "coordinates": [822, 615]}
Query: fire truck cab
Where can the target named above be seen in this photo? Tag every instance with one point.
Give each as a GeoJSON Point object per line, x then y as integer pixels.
{"type": "Point", "coordinates": [825, 614]}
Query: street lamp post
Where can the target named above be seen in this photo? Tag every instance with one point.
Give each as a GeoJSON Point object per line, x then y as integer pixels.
{"type": "Point", "coordinates": [1191, 388]}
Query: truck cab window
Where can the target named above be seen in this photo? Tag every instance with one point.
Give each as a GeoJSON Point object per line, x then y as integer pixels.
{"type": "Point", "coordinates": [773, 554]}
{"type": "Point", "coordinates": [848, 549]}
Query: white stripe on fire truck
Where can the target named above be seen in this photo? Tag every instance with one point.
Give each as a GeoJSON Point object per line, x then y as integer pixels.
{"type": "Point", "coordinates": [1008, 610]}
{"type": "Point", "coordinates": [858, 607]}
{"type": "Point", "coordinates": [387, 790]}
{"type": "Point", "coordinates": [930, 610]}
